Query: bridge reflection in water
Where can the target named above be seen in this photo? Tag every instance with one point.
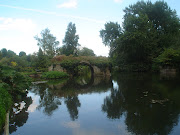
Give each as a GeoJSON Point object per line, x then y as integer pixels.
{"type": "Point", "coordinates": [128, 104]}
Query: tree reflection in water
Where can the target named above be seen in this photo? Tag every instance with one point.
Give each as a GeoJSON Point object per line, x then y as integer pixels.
{"type": "Point", "coordinates": [48, 101]}
{"type": "Point", "coordinates": [72, 103]}
{"type": "Point", "coordinates": [52, 94]}
{"type": "Point", "coordinates": [149, 104]}
{"type": "Point", "coordinates": [19, 113]}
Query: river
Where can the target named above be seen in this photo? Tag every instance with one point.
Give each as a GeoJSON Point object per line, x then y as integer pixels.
{"type": "Point", "coordinates": [127, 104]}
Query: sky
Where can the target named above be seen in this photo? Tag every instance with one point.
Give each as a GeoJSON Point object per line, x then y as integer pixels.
{"type": "Point", "coordinates": [21, 20]}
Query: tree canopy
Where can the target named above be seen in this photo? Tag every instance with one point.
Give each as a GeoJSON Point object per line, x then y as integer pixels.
{"type": "Point", "coordinates": [85, 52]}
{"type": "Point", "coordinates": [148, 29]}
{"type": "Point", "coordinates": [47, 42]}
{"type": "Point", "coordinates": [70, 42]}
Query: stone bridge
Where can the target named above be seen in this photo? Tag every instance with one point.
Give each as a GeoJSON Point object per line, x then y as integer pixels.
{"type": "Point", "coordinates": [95, 70]}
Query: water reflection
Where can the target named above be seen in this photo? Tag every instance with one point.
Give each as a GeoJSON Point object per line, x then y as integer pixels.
{"type": "Point", "coordinates": [150, 105]}
{"type": "Point", "coordinates": [73, 103]}
{"type": "Point", "coordinates": [19, 114]}
{"type": "Point", "coordinates": [53, 93]}
{"type": "Point", "coordinates": [48, 101]}
{"type": "Point", "coordinates": [142, 104]}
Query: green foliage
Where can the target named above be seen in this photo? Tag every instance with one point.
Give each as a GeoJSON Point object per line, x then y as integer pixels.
{"type": "Point", "coordinates": [54, 75]}
{"type": "Point", "coordinates": [42, 60]}
{"type": "Point", "coordinates": [4, 52]}
{"type": "Point", "coordinates": [12, 84]}
{"type": "Point", "coordinates": [109, 35]}
{"type": "Point", "coordinates": [85, 52]}
{"type": "Point", "coordinates": [69, 62]}
{"type": "Point", "coordinates": [138, 43]}
{"type": "Point", "coordinates": [15, 81]}
{"type": "Point", "coordinates": [70, 42]}
{"type": "Point", "coordinates": [22, 53]}
{"type": "Point", "coordinates": [148, 29]}
{"type": "Point", "coordinates": [164, 20]}
{"type": "Point", "coordinates": [5, 103]}
{"type": "Point", "coordinates": [47, 42]}
{"type": "Point", "coordinates": [169, 58]}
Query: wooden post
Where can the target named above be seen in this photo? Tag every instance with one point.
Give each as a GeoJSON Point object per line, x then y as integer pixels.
{"type": "Point", "coordinates": [6, 127]}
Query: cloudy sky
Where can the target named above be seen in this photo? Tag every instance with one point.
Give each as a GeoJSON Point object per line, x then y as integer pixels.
{"type": "Point", "coordinates": [21, 20]}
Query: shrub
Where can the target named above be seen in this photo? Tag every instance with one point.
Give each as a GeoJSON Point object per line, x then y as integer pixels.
{"type": "Point", "coordinates": [54, 75]}
{"type": "Point", "coordinates": [169, 58]}
{"type": "Point", "coordinates": [5, 103]}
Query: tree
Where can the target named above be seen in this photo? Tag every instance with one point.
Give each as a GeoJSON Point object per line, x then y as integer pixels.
{"type": "Point", "coordinates": [86, 52]}
{"type": "Point", "coordinates": [147, 30]}
{"type": "Point", "coordinates": [10, 54]}
{"type": "Point", "coordinates": [4, 52]}
{"type": "Point", "coordinates": [70, 42]}
{"type": "Point", "coordinates": [163, 18]}
{"type": "Point", "coordinates": [47, 42]}
{"type": "Point", "coordinates": [138, 44]}
{"type": "Point", "coordinates": [41, 59]}
{"type": "Point", "coordinates": [111, 32]}
{"type": "Point", "coordinates": [22, 53]}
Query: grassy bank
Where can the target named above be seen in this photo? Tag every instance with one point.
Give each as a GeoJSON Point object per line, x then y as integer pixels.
{"type": "Point", "coordinates": [54, 75]}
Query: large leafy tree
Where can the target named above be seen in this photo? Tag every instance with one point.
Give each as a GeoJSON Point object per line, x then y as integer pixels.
{"type": "Point", "coordinates": [148, 29]}
{"type": "Point", "coordinates": [163, 18]}
{"type": "Point", "coordinates": [70, 42]}
{"type": "Point", "coordinates": [111, 32]}
{"type": "Point", "coordinates": [138, 44]}
{"type": "Point", "coordinates": [47, 42]}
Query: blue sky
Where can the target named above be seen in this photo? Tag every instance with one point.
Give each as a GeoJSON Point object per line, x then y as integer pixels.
{"type": "Point", "coordinates": [21, 20]}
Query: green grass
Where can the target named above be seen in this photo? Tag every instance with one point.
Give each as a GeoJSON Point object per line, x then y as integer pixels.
{"type": "Point", "coordinates": [54, 75]}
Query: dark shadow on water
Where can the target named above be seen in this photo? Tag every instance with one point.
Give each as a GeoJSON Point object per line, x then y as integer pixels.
{"type": "Point", "coordinates": [151, 105]}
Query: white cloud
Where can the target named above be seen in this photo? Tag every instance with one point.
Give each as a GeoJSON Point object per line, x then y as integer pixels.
{"type": "Point", "coordinates": [23, 25]}
{"type": "Point", "coordinates": [17, 34]}
{"type": "Point", "coordinates": [118, 1]}
{"type": "Point", "coordinates": [71, 124]}
{"type": "Point", "coordinates": [68, 4]}
{"type": "Point", "coordinates": [34, 105]}
{"type": "Point", "coordinates": [96, 44]}
{"type": "Point", "coordinates": [55, 14]}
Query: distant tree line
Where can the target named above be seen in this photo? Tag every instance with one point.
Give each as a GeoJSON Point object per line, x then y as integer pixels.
{"type": "Point", "coordinates": [148, 38]}
{"type": "Point", "coordinates": [48, 48]}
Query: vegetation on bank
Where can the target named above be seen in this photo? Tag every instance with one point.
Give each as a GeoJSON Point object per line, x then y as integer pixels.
{"type": "Point", "coordinates": [12, 84]}
{"type": "Point", "coordinates": [54, 75]}
{"type": "Point", "coordinates": [5, 104]}
{"type": "Point", "coordinates": [148, 40]}
{"type": "Point", "coordinates": [169, 58]}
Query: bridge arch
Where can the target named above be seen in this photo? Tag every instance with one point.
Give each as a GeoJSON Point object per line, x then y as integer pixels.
{"type": "Point", "coordinates": [70, 68]}
{"type": "Point", "coordinates": [87, 64]}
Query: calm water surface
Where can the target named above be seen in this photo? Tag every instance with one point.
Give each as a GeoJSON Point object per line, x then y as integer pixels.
{"type": "Point", "coordinates": [140, 104]}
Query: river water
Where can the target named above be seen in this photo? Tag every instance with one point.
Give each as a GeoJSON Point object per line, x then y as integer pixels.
{"type": "Point", "coordinates": [127, 104]}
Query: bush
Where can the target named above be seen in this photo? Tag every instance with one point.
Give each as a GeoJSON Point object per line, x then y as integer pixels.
{"type": "Point", "coordinates": [169, 58]}
{"type": "Point", "coordinates": [5, 104]}
{"type": "Point", "coordinates": [135, 67]}
{"type": "Point", "coordinates": [54, 75]}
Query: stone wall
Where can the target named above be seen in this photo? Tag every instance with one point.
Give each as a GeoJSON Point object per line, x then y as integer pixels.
{"type": "Point", "coordinates": [97, 71]}
{"type": "Point", "coordinates": [100, 72]}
